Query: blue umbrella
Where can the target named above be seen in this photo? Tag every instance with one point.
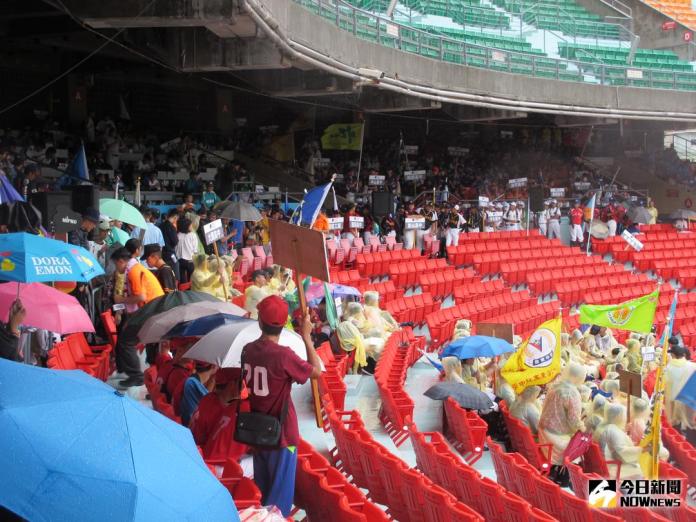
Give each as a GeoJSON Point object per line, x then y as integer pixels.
{"type": "Point", "coordinates": [75, 449]}
{"type": "Point", "coordinates": [203, 325]}
{"type": "Point", "coordinates": [35, 259]}
{"type": "Point", "coordinates": [477, 346]}
{"type": "Point", "coordinates": [687, 394]}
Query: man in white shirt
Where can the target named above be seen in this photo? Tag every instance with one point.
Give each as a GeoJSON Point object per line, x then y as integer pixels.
{"type": "Point", "coordinates": [512, 217]}
{"type": "Point", "coordinates": [454, 226]}
{"type": "Point", "coordinates": [543, 219]}
{"type": "Point", "coordinates": [677, 372]}
{"type": "Point", "coordinates": [554, 220]}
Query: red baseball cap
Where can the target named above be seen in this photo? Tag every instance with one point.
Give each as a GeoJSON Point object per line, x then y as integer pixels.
{"type": "Point", "coordinates": [273, 311]}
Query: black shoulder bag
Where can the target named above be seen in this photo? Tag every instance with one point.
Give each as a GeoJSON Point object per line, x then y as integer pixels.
{"type": "Point", "coordinates": [259, 429]}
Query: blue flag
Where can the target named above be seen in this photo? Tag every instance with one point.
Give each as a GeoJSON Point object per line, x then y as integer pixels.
{"type": "Point", "coordinates": [307, 212]}
{"type": "Point", "coordinates": [8, 194]}
{"type": "Point", "coordinates": [78, 166]}
{"type": "Point", "coordinates": [687, 394]}
{"type": "Point", "coordinates": [670, 325]}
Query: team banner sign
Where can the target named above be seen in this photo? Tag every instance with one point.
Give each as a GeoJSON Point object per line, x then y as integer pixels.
{"type": "Point", "coordinates": [538, 359]}
{"type": "Point", "coordinates": [636, 315]}
{"type": "Point", "coordinates": [342, 136]}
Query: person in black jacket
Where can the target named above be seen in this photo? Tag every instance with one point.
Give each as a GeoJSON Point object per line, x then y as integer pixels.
{"type": "Point", "coordinates": [169, 231]}
{"type": "Point", "coordinates": [9, 333]}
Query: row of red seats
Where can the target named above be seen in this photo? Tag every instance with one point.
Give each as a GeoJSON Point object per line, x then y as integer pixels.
{"type": "Point", "coordinates": [541, 282]}
{"type": "Point", "coordinates": [527, 318]}
{"type": "Point", "coordinates": [463, 254]}
{"type": "Point", "coordinates": [401, 351]}
{"type": "Point", "coordinates": [501, 235]}
{"type": "Point", "coordinates": [410, 495]}
{"type": "Point", "coordinates": [442, 283]}
{"type": "Point", "coordinates": [522, 440]}
{"type": "Point", "coordinates": [343, 252]}
{"type": "Point", "coordinates": [331, 379]}
{"type": "Point", "coordinates": [378, 263]}
{"type": "Point", "coordinates": [386, 290]}
{"type": "Point", "coordinates": [324, 493]}
{"type": "Point", "coordinates": [490, 263]}
{"type": "Point", "coordinates": [476, 288]}
{"type": "Point", "coordinates": [441, 322]}
{"type": "Point", "coordinates": [465, 430]}
{"type": "Point", "coordinates": [681, 452]}
{"type": "Point", "coordinates": [617, 295]}
{"type": "Point", "coordinates": [516, 272]}
{"type": "Point", "coordinates": [412, 309]}
{"type": "Point", "coordinates": [348, 278]}
{"type": "Point", "coordinates": [405, 274]}
{"type": "Point", "coordinates": [518, 476]}
{"type": "Point", "coordinates": [436, 460]}
{"type": "Point", "coordinates": [74, 353]}
{"type": "Point", "coordinates": [573, 292]}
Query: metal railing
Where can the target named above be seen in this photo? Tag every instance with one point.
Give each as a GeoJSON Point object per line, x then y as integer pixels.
{"type": "Point", "coordinates": [684, 147]}
{"type": "Point", "coordinates": [373, 27]}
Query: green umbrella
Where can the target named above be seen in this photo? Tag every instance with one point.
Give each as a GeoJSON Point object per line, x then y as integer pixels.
{"type": "Point", "coordinates": [122, 211]}
{"type": "Point", "coordinates": [164, 303]}
{"type": "Point", "coordinates": [116, 235]}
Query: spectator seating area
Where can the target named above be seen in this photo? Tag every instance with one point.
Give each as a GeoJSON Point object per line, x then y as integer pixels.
{"type": "Point", "coordinates": [680, 10]}
{"type": "Point", "coordinates": [522, 440]}
{"type": "Point", "coordinates": [468, 38]}
{"type": "Point", "coordinates": [465, 430]}
{"type": "Point", "coordinates": [74, 353]}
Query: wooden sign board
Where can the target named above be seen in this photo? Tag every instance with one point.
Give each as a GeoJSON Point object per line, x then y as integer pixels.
{"type": "Point", "coordinates": [630, 383]}
{"type": "Point", "coordinates": [500, 330]}
{"type": "Point", "coordinates": [298, 248]}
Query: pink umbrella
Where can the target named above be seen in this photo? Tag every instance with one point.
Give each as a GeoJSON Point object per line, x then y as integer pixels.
{"type": "Point", "coordinates": [46, 307]}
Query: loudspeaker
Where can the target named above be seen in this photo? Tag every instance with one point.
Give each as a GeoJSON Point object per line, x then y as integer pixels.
{"type": "Point", "coordinates": [382, 204]}
{"type": "Point", "coordinates": [536, 199]}
{"type": "Point", "coordinates": [85, 196]}
{"type": "Point", "coordinates": [48, 202]}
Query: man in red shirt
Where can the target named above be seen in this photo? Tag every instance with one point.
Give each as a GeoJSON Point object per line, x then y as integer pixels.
{"type": "Point", "coordinates": [269, 372]}
{"type": "Point", "coordinates": [576, 215]}
{"type": "Point", "coordinates": [215, 419]}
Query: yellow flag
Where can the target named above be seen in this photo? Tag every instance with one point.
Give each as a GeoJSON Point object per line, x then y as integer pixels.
{"type": "Point", "coordinates": [538, 359]}
{"type": "Point", "coordinates": [342, 136]}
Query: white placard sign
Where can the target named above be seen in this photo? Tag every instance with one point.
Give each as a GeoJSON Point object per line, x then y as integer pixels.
{"type": "Point", "coordinates": [648, 353]}
{"type": "Point", "coordinates": [483, 201]}
{"type": "Point", "coordinates": [582, 185]}
{"type": "Point", "coordinates": [414, 175]}
{"type": "Point", "coordinates": [557, 192]}
{"type": "Point", "coordinates": [392, 30]}
{"type": "Point", "coordinates": [213, 231]}
{"type": "Point", "coordinates": [517, 182]}
{"type": "Point", "coordinates": [411, 149]}
{"type": "Point", "coordinates": [631, 240]}
{"type": "Point", "coordinates": [457, 151]}
{"type": "Point", "coordinates": [414, 223]}
{"type": "Point", "coordinates": [339, 178]}
{"type": "Point", "coordinates": [335, 223]}
{"type": "Point", "coordinates": [376, 179]}
{"type": "Point", "coordinates": [498, 56]}
{"type": "Point", "coordinates": [634, 74]}
{"type": "Point", "coordinates": [322, 162]}
{"type": "Point", "coordinates": [356, 222]}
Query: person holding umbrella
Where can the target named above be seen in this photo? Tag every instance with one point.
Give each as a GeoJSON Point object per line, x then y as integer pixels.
{"type": "Point", "coordinates": [9, 333]}
{"type": "Point", "coordinates": [269, 371]}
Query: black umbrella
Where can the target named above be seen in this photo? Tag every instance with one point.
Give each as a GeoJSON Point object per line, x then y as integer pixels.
{"type": "Point", "coordinates": [466, 396]}
{"type": "Point", "coordinates": [164, 303]}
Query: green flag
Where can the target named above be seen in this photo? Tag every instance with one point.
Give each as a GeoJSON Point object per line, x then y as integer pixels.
{"type": "Point", "coordinates": [342, 136]}
{"type": "Point", "coordinates": [331, 312]}
{"type": "Point", "coordinates": [636, 315]}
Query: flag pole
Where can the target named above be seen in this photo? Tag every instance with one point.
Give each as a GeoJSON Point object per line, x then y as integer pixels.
{"type": "Point", "coordinates": [589, 230]}
{"type": "Point", "coordinates": [362, 142]}
{"type": "Point", "coordinates": [529, 211]}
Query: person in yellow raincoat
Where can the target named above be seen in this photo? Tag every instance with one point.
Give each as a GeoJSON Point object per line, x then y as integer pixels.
{"type": "Point", "coordinates": [203, 279]}
{"type": "Point", "coordinates": [526, 408]}
{"type": "Point", "coordinates": [256, 293]}
{"type": "Point", "coordinates": [377, 320]}
{"type": "Point", "coordinates": [452, 367]}
{"type": "Point", "coordinates": [351, 340]}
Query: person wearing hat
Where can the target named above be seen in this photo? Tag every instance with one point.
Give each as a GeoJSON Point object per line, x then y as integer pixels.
{"type": "Point", "coordinates": [455, 221]}
{"type": "Point", "coordinates": [80, 236]}
{"type": "Point", "coordinates": [677, 372]}
{"type": "Point", "coordinates": [576, 215]}
{"type": "Point", "coordinates": [209, 198]}
{"type": "Point", "coordinates": [194, 389]}
{"type": "Point", "coordinates": [143, 287]}
{"type": "Point", "coordinates": [214, 421]}
{"type": "Point", "coordinates": [99, 246]}
{"type": "Point", "coordinates": [152, 255]}
{"type": "Point", "coordinates": [543, 219]}
{"type": "Point", "coordinates": [554, 220]}
{"type": "Point", "coordinates": [512, 217]}
{"type": "Point", "coordinates": [270, 370]}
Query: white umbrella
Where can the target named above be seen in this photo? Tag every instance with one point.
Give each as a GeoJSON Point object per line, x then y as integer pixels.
{"type": "Point", "coordinates": [223, 346]}
{"type": "Point", "coordinates": [241, 212]}
{"type": "Point", "coordinates": [157, 326]}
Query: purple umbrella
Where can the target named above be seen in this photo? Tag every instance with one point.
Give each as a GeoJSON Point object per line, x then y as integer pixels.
{"type": "Point", "coordinates": [315, 292]}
